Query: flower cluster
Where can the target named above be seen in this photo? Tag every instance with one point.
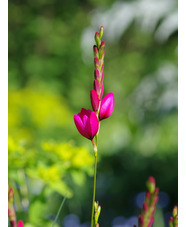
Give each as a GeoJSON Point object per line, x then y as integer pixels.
{"type": "Point", "coordinates": [87, 121]}
{"type": "Point", "coordinates": [146, 218]}
{"type": "Point", "coordinates": [11, 210]}
{"type": "Point", "coordinates": [173, 222]}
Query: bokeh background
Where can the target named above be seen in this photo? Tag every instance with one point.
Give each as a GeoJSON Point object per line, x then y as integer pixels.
{"type": "Point", "coordinates": [50, 77]}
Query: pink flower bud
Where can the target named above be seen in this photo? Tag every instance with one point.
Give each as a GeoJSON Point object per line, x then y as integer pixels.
{"type": "Point", "coordinates": [97, 39]}
{"type": "Point", "coordinates": [175, 211]}
{"type": "Point", "coordinates": [10, 196]}
{"type": "Point", "coordinates": [156, 191]}
{"type": "Point", "coordinates": [101, 32]}
{"type": "Point", "coordinates": [96, 74]}
{"type": "Point", "coordinates": [102, 44]}
{"type": "Point", "coordinates": [98, 89]}
{"type": "Point", "coordinates": [95, 51]}
{"type": "Point", "coordinates": [153, 211]}
{"type": "Point", "coordinates": [102, 50]}
{"type": "Point", "coordinates": [96, 63]}
{"type": "Point", "coordinates": [102, 55]}
{"type": "Point", "coordinates": [86, 123]}
{"type": "Point", "coordinates": [171, 219]}
{"type": "Point", "coordinates": [151, 184]}
{"type": "Point", "coordinates": [101, 93]}
{"type": "Point", "coordinates": [151, 222]}
{"type": "Point", "coordinates": [107, 106]}
{"type": "Point", "coordinates": [155, 201]}
{"type": "Point", "coordinates": [94, 100]}
{"type": "Point", "coordinates": [145, 207]}
{"type": "Point", "coordinates": [152, 179]}
{"type": "Point", "coordinates": [176, 220]}
{"type": "Point", "coordinates": [20, 224]}
{"type": "Point", "coordinates": [140, 221]}
{"type": "Point", "coordinates": [99, 210]}
{"type": "Point", "coordinates": [147, 197]}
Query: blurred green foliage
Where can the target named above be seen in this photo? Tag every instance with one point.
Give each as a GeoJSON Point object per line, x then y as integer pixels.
{"type": "Point", "coordinates": [50, 77]}
{"type": "Point", "coordinates": [38, 166]}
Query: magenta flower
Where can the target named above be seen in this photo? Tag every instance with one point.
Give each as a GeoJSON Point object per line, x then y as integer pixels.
{"type": "Point", "coordinates": [107, 106]}
{"type": "Point", "coordinates": [86, 123]}
{"type": "Point", "coordinates": [20, 224]}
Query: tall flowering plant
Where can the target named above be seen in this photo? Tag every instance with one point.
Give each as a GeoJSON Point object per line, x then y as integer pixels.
{"type": "Point", "coordinates": [146, 218]}
{"type": "Point", "coordinates": [173, 222]}
{"type": "Point", "coordinates": [11, 210]}
{"type": "Point", "coordinates": [88, 121]}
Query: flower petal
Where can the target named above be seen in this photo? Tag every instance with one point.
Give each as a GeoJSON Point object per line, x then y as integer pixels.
{"type": "Point", "coordinates": [94, 124]}
{"type": "Point", "coordinates": [80, 126]}
{"type": "Point", "coordinates": [107, 106]}
{"type": "Point", "coordinates": [84, 121]}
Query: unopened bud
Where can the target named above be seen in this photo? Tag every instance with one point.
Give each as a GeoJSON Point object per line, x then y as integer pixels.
{"type": "Point", "coordinates": [102, 55]}
{"type": "Point", "coordinates": [102, 49]}
{"type": "Point", "coordinates": [151, 184]}
{"type": "Point", "coordinates": [155, 200]}
{"type": "Point", "coordinates": [175, 221]}
{"type": "Point", "coordinates": [151, 222]}
{"type": "Point", "coordinates": [95, 49]}
{"type": "Point", "coordinates": [97, 39]}
{"type": "Point", "coordinates": [102, 44]}
{"type": "Point", "coordinates": [147, 197]}
{"type": "Point", "coordinates": [96, 63]}
{"type": "Point", "coordinates": [99, 210]}
{"type": "Point", "coordinates": [98, 89]}
{"type": "Point", "coordinates": [171, 219]}
{"type": "Point", "coordinates": [102, 66]}
{"type": "Point", "coordinates": [95, 206]}
{"type": "Point", "coordinates": [95, 105]}
{"type": "Point", "coordinates": [171, 222]}
{"type": "Point", "coordinates": [101, 32]}
{"type": "Point", "coordinates": [96, 217]}
{"type": "Point", "coordinates": [96, 74]}
{"type": "Point", "coordinates": [97, 225]}
{"type": "Point", "coordinates": [140, 221]}
{"type": "Point", "coordinates": [175, 211]}
{"type": "Point", "coordinates": [145, 207]}
{"type": "Point", "coordinates": [11, 210]}
{"type": "Point", "coordinates": [156, 191]}
{"type": "Point", "coordinates": [153, 211]}
{"type": "Point", "coordinates": [101, 92]}
{"type": "Point", "coordinates": [10, 196]}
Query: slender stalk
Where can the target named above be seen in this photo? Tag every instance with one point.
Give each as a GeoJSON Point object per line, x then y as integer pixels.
{"type": "Point", "coordinates": [63, 201]}
{"type": "Point", "coordinates": [94, 187]}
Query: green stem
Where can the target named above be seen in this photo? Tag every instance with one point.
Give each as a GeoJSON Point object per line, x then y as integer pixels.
{"type": "Point", "coordinates": [60, 209]}
{"type": "Point", "coordinates": [94, 188]}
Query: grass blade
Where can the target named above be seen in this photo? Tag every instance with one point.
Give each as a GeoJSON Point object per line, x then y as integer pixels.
{"type": "Point", "coordinates": [60, 209]}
